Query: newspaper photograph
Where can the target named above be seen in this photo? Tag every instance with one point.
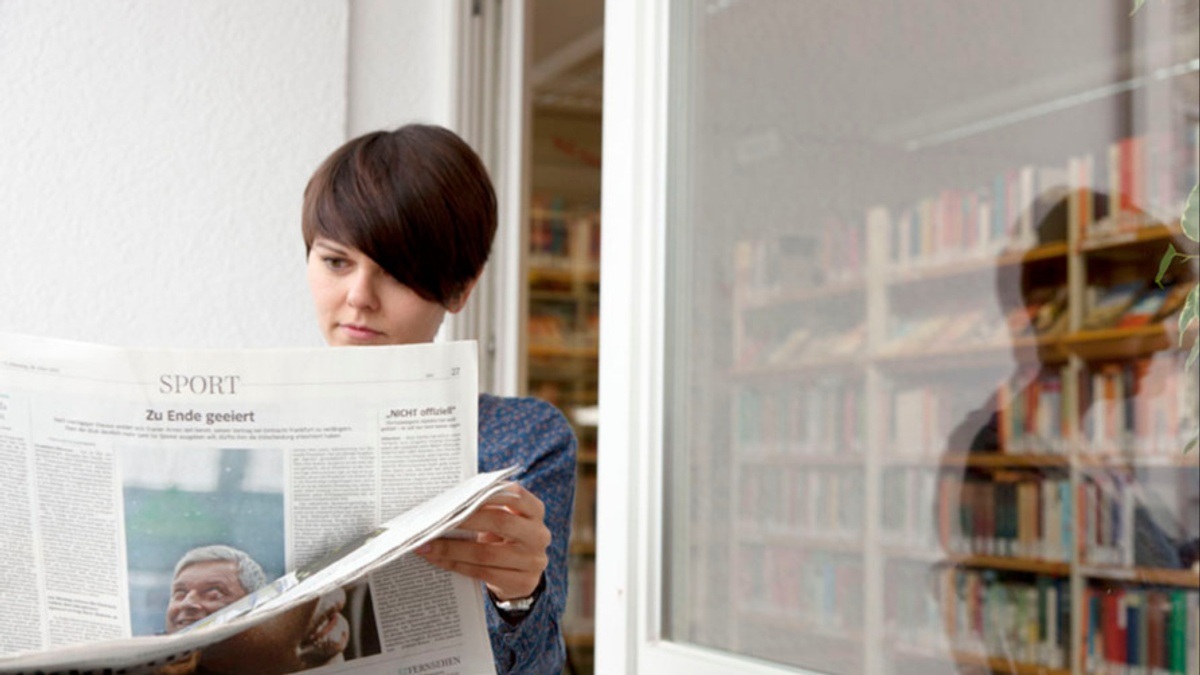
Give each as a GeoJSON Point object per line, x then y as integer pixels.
{"type": "Point", "coordinates": [150, 497]}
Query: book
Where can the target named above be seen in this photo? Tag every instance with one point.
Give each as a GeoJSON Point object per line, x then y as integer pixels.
{"type": "Point", "coordinates": [1176, 295]}
{"type": "Point", "coordinates": [1143, 310]}
{"type": "Point", "coordinates": [1108, 304]}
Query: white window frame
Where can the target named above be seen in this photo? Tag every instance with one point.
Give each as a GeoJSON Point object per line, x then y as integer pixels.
{"type": "Point", "coordinates": [492, 112]}
{"type": "Point", "coordinates": [634, 199]}
{"type": "Point", "coordinates": [633, 182]}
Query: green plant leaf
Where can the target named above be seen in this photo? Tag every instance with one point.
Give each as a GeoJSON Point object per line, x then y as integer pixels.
{"type": "Point", "coordinates": [1191, 216]}
{"type": "Point", "coordinates": [1191, 445]}
{"type": "Point", "coordinates": [1137, 4]}
{"type": "Point", "coordinates": [1165, 263]}
{"type": "Point", "coordinates": [1188, 314]}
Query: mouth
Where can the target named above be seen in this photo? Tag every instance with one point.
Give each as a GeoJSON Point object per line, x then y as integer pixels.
{"type": "Point", "coordinates": [327, 636]}
{"type": "Point", "coordinates": [183, 622]}
{"type": "Point", "coordinates": [358, 332]}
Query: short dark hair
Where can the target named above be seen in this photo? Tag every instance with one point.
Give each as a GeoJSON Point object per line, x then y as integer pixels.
{"type": "Point", "coordinates": [417, 201]}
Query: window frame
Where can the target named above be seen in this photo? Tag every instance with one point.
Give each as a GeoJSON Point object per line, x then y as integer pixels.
{"type": "Point", "coordinates": [636, 201]}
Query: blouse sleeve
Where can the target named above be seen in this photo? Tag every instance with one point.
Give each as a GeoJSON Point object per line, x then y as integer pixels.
{"type": "Point", "coordinates": [536, 436]}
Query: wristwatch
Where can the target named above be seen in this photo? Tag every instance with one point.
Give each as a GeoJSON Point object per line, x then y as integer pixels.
{"type": "Point", "coordinates": [516, 605]}
{"type": "Point", "coordinates": [514, 610]}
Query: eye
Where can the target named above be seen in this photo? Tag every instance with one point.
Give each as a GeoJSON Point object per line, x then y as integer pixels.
{"type": "Point", "coordinates": [335, 263]}
{"type": "Point", "coordinates": [215, 593]}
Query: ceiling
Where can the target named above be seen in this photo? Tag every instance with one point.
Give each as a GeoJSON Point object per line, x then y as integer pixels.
{"type": "Point", "coordinates": [567, 68]}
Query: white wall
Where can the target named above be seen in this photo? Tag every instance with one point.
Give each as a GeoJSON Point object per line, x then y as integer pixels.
{"type": "Point", "coordinates": [153, 156]}
{"type": "Point", "coordinates": [402, 63]}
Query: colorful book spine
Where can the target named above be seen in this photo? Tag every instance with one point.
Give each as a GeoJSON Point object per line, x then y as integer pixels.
{"type": "Point", "coordinates": [1022, 620]}
{"type": "Point", "coordinates": [1016, 517]}
{"type": "Point", "coordinates": [1150, 630]}
{"type": "Point", "coordinates": [821, 418]}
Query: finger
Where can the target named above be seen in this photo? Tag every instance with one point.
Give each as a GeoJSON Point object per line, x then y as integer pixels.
{"type": "Point", "coordinates": [516, 498]}
{"type": "Point", "coordinates": [504, 583]}
{"type": "Point", "coordinates": [500, 556]}
{"type": "Point", "coordinates": [508, 526]}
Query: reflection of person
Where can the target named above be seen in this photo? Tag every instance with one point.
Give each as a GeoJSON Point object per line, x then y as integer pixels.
{"type": "Point", "coordinates": [210, 577]}
{"type": "Point", "coordinates": [1018, 288]}
{"type": "Point", "coordinates": [397, 227]}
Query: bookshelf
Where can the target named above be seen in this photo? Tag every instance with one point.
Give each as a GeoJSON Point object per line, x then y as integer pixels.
{"type": "Point", "coordinates": [562, 360]}
{"type": "Point", "coordinates": [931, 479]}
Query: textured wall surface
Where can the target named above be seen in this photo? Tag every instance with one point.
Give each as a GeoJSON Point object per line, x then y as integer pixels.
{"type": "Point", "coordinates": [402, 64]}
{"type": "Point", "coordinates": [152, 161]}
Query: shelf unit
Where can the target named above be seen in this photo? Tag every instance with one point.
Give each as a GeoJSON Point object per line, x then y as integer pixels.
{"type": "Point", "coordinates": [562, 359]}
{"type": "Point", "coordinates": [776, 445]}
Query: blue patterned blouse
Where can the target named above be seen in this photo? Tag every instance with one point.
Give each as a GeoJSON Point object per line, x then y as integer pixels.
{"type": "Point", "coordinates": [536, 436]}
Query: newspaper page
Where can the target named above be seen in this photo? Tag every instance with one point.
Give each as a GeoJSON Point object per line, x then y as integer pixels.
{"type": "Point", "coordinates": [117, 464]}
{"type": "Point", "coordinates": [218, 642]}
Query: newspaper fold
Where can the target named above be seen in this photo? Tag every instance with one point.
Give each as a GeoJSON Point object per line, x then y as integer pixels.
{"type": "Point", "coordinates": [358, 558]}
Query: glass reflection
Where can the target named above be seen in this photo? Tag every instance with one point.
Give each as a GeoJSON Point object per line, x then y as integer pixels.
{"type": "Point", "coordinates": [926, 407]}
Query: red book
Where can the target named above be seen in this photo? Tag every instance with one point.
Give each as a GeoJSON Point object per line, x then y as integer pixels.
{"type": "Point", "coordinates": [1121, 629]}
{"type": "Point", "coordinates": [1157, 606]}
{"type": "Point", "coordinates": [1125, 169]}
{"type": "Point", "coordinates": [1114, 619]}
{"type": "Point", "coordinates": [1144, 309]}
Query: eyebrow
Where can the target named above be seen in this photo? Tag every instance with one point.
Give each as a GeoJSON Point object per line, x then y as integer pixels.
{"type": "Point", "coordinates": [329, 246]}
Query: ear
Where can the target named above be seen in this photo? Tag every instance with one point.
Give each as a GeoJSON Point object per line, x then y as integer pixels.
{"type": "Point", "coordinates": [457, 303]}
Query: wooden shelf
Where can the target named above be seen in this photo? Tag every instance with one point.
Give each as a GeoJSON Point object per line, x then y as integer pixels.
{"type": "Point", "coordinates": [1117, 343]}
{"type": "Point", "coordinates": [555, 295]}
{"type": "Point", "coordinates": [847, 544]}
{"type": "Point", "coordinates": [1146, 575]}
{"type": "Point", "coordinates": [1180, 460]}
{"type": "Point", "coordinates": [562, 276]}
{"type": "Point", "coordinates": [1130, 236]}
{"type": "Point", "coordinates": [537, 351]}
{"type": "Point", "coordinates": [801, 459]}
{"type": "Point", "coordinates": [1027, 350]}
{"type": "Point", "coordinates": [1003, 460]}
{"type": "Point", "coordinates": [992, 663]}
{"type": "Point", "coordinates": [1003, 665]}
{"type": "Point", "coordinates": [977, 265]}
{"type": "Point", "coordinates": [766, 299]}
{"type": "Point", "coordinates": [791, 622]}
{"type": "Point", "coordinates": [984, 460]}
{"type": "Point", "coordinates": [1047, 567]}
{"type": "Point", "coordinates": [786, 370]}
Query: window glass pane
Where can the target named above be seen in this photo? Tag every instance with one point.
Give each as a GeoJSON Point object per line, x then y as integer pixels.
{"type": "Point", "coordinates": [926, 408]}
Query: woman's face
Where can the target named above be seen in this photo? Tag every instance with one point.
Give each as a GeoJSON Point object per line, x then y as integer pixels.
{"type": "Point", "coordinates": [358, 303]}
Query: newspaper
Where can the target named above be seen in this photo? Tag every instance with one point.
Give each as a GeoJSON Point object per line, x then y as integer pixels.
{"type": "Point", "coordinates": [117, 464]}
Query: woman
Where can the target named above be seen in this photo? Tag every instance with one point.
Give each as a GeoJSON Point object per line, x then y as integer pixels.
{"type": "Point", "coordinates": [398, 226]}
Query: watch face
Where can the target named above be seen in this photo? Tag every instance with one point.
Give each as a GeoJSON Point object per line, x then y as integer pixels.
{"type": "Point", "coordinates": [518, 605]}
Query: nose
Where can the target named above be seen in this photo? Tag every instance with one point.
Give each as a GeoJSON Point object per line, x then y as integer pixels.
{"type": "Point", "coordinates": [190, 601]}
{"type": "Point", "coordinates": [362, 293]}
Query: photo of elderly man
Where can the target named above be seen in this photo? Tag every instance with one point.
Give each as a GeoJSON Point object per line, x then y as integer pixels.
{"type": "Point", "coordinates": [209, 578]}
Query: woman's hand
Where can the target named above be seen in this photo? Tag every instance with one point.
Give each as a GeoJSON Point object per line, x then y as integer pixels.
{"type": "Point", "coordinates": [508, 552]}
